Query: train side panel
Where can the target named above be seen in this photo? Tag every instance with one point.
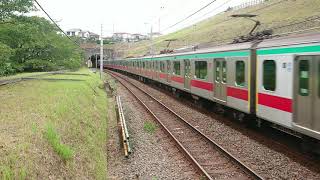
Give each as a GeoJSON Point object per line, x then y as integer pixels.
{"type": "Point", "coordinates": [274, 88]}
{"type": "Point", "coordinates": [295, 99]}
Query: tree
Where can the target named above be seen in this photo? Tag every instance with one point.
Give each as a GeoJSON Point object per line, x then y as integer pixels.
{"type": "Point", "coordinates": [8, 8]}
{"type": "Point", "coordinates": [5, 66]}
{"type": "Point", "coordinates": [32, 43]}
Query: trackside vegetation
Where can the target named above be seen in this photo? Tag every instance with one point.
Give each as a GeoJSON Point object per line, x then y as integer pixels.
{"type": "Point", "coordinates": [30, 43]}
{"type": "Point", "coordinates": [149, 127]}
{"type": "Point", "coordinates": [54, 128]}
{"type": "Point", "coordinates": [53, 138]}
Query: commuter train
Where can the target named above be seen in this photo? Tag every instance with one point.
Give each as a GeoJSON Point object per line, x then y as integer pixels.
{"type": "Point", "coordinates": [276, 80]}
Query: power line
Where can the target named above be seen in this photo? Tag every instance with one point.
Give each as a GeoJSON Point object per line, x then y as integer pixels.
{"type": "Point", "coordinates": [190, 15]}
{"type": "Point", "coordinates": [55, 23]}
{"type": "Point", "coordinates": [215, 8]}
{"type": "Point", "coordinates": [228, 19]}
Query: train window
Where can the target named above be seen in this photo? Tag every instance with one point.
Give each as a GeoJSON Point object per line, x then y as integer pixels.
{"type": "Point", "coordinates": [224, 72]}
{"type": "Point", "coordinates": [240, 73]}
{"type": "Point", "coordinates": [201, 69]}
{"type": "Point", "coordinates": [176, 68]}
{"type": "Point", "coordinates": [143, 65]}
{"type": "Point", "coordinates": [168, 66]}
{"type": "Point", "coordinates": [269, 75]}
{"type": "Point", "coordinates": [162, 69]}
{"type": "Point", "coordinates": [157, 66]}
{"type": "Point", "coordinates": [304, 77]}
{"type": "Point", "coordinates": [319, 79]}
{"type": "Point", "coordinates": [217, 71]}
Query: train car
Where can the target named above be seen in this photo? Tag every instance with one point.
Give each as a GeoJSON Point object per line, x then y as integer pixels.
{"type": "Point", "coordinates": [277, 80]}
{"type": "Point", "coordinates": [288, 83]}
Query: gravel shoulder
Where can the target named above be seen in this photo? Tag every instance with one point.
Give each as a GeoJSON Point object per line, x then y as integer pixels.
{"type": "Point", "coordinates": [154, 155]}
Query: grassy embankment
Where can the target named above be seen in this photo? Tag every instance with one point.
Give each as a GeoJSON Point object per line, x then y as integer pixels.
{"type": "Point", "coordinates": [221, 28]}
{"type": "Point", "coordinates": [21, 75]}
{"type": "Point", "coordinates": [54, 129]}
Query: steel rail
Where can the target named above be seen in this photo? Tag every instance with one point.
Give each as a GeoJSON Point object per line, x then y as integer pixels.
{"type": "Point", "coordinates": [227, 154]}
{"type": "Point", "coordinates": [200, 168]}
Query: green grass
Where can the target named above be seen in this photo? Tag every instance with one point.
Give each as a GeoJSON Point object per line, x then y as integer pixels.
{"type": "Point", "coordinates": [53, 138]}
{"type": "Point", "coordinates": [43, 123]}
{"type": "Point", "coordinates": [222, 28]}
{"type": "Point", "coordinates": [149, 127]}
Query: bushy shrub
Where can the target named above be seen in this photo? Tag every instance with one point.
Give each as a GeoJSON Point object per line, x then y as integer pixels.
{"type": "Point", "coordinates": [39, 65]}
{"type": "Point", "coordinates": [34, 44]}
{"type": "Point", "coordinates": [5, 66]}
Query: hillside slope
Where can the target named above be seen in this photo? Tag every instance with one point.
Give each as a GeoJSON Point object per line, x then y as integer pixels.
{"type": "Point", "coordinates": [278, 15]}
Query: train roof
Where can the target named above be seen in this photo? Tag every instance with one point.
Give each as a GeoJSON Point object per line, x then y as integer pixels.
{"type": "Point", "coordinates": [211, 51]}
{"type": "Point", "coordinates": [290, 40]}
{"type": "Point", "coordinates": [215, 49]}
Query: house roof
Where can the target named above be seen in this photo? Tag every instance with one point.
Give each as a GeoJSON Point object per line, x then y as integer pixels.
{"type": "Point", "coordinates": [93, 34]}
{"type": "Point", "coordinates": [74, 30]}
{"type": "Point", "coordinates": [121, 33]}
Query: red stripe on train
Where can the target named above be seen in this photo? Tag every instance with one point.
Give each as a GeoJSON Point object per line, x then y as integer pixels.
{"type": "Point", "coordinates": [177, 79]}
{"type": "Point", "coordinates": [238, 93]}
{"type": "Point", "coordinates": [163, 76]}
{"type": "Point", "coordinates": [202, 85]}
{"type": "Point", "coordinates": [283, 104]}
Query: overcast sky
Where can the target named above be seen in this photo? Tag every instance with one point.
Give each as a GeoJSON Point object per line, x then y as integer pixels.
{"type": "Point", "coordinates": [132, 16]}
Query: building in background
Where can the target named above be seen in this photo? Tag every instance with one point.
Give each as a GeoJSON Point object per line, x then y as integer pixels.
{"type": "Point", "coordinates": [139, 37]}
{"type": "Point", "coordinates": [82, 34]}
{"type": "Point", "coordinates": [122, 37]}
{"type": "Point", "coordinates": [154, 34]}
{"type": "Point", "coordinates": [128, 37]}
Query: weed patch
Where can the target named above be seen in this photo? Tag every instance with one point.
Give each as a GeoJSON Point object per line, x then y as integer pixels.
{"type": "Point", "coordinates": [53, 138]}
{"type": "Point", "coordinates": [7, 173]}
{"type": "Point", "coordinates": [149, 127]}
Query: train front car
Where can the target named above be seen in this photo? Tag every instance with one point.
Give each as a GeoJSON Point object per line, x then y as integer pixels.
{"type": "Point", "coordinates": [288, 83]}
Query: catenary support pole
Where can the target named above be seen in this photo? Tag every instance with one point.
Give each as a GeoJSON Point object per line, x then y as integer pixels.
{"type": "Point", "coordinates": [101, 54]}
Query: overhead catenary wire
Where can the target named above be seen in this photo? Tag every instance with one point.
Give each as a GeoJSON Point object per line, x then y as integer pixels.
{"type": "Point", "coordinates": [189, 15]}
{"type": "Point", "coordinates": [228, 19]}
{"type": "Point", "coordinates": [223, 21]}
{"type": "Point", "coordinates": [307, 19]}
{"type": "Point", "coordinates": [55, 22]}
{"type": "Point", "coordinates": [221, 5]}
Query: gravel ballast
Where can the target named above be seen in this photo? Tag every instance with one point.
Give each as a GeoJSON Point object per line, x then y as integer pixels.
{"type": "Point", "coordinates": [155, 155]}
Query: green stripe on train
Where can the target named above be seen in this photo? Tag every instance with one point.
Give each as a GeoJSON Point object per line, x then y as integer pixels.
{"type": "Point", "coordinates": [303, 49]}
{"type": "Point", "coordinates": [201, 56]}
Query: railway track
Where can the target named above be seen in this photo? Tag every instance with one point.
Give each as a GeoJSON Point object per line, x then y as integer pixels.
{"type": "Point", "coordinates": [213, 161]}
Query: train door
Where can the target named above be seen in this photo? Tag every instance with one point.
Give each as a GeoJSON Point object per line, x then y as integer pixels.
{"type": "Point", "coordinates": [157, 69]}
{"type": "Point", "coordinates": [187, 73]}
{"type": "Point", "coordinates": [152, 69]}
{"type": "Point", "coordinates": [220, 78]}
{"type": "Point", "coordinates": [307, 92]}
{"type": "Point", "coordinates": [168, 71]}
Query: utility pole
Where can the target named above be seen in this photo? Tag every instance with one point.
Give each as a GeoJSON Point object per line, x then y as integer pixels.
{"type": "Point", "coordinates": [96, 62]}
{"type": "Point", "coordinates": [101, 54]}
{"type": "Point", "coordinates": [159, 25]}
{"type": "Point", "coordinates": [151, 45]}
